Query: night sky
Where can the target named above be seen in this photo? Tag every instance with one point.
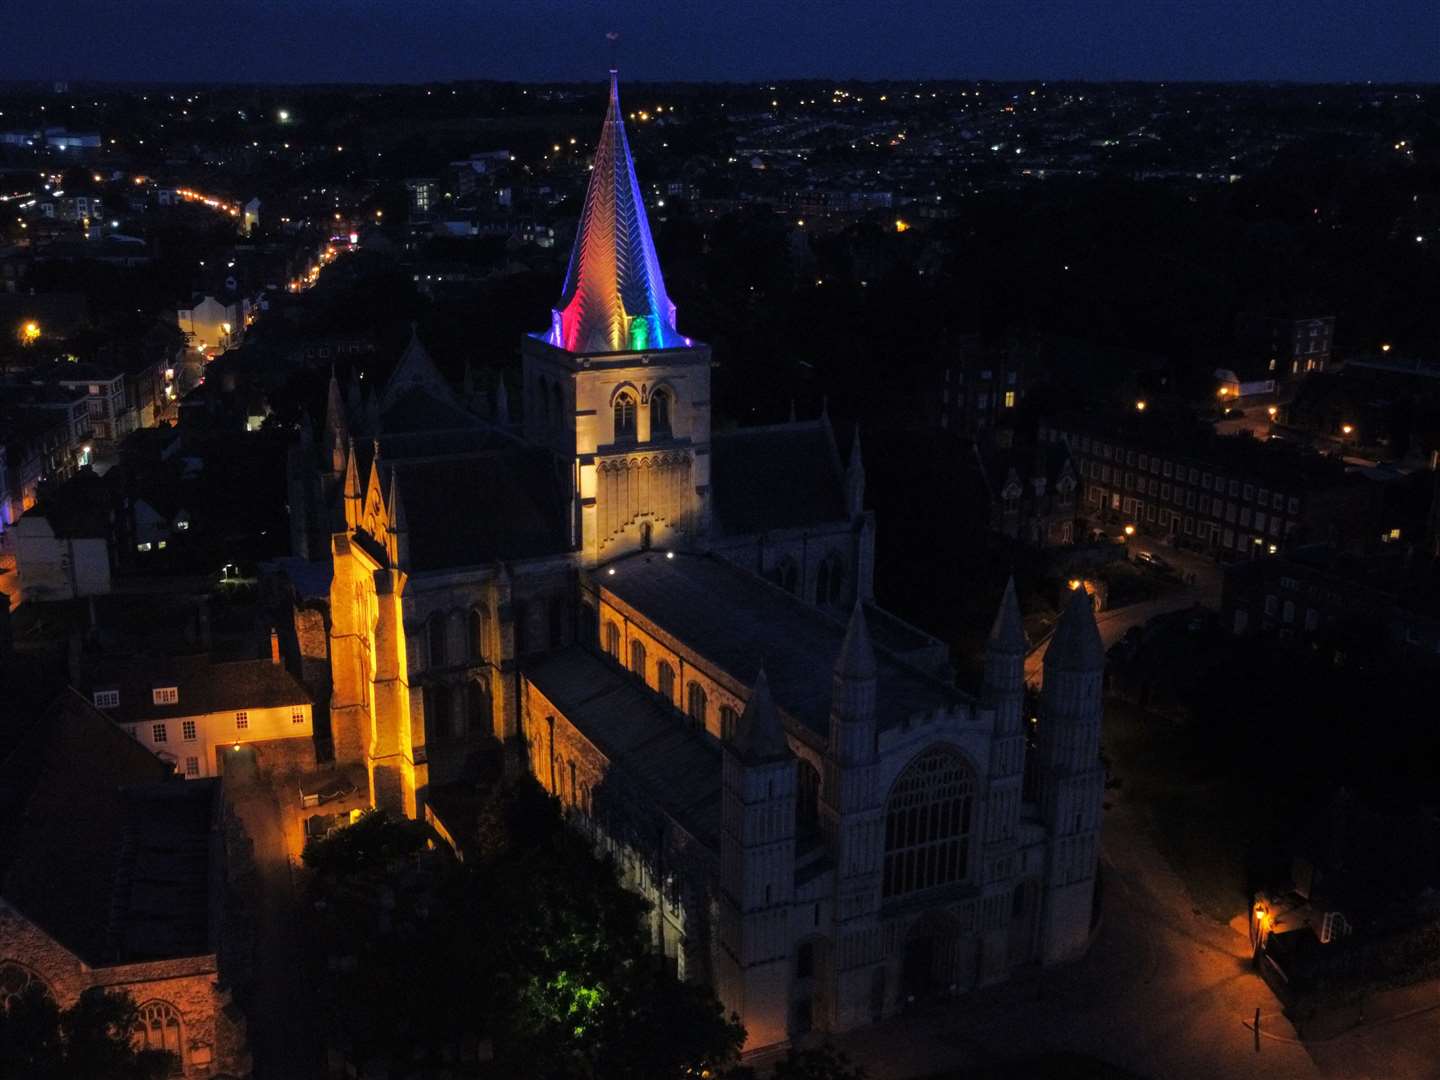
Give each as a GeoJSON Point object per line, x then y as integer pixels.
{"type": "Point", "coordinates": [421, 40]}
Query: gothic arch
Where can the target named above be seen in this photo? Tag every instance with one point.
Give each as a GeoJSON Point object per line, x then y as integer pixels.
{"type": "Point", "coordinates": [830, 579]}
{"type": "Point", "coordinates": [16, 979]}
{"type": "Point", "coordinates": [929, 818]}
{"type": "Point", "coordinates": [159, 1026]}
{"type": "Point", "coordinates": [624, 387]}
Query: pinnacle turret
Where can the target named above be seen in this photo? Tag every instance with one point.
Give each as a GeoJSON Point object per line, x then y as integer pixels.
{"type": "Point", "coordinates": [760, 735]}
{"type": "Point", "coordinates": [857, 657]}
{"type": "Point", "coordinates": [1076, 645]}
{"type": "Point", "coordinates": [1008, 632]}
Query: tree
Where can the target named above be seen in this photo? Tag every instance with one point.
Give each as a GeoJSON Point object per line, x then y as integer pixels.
{"type": "Point", "coordinates": [90, 1040]}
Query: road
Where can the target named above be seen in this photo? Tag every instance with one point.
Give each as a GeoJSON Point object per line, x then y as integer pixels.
{"type": "Point", "coordinates": [1114, 624]}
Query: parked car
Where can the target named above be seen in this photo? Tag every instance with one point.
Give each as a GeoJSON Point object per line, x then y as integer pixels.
{"type": "Point", "coordinates": [1154, 562]}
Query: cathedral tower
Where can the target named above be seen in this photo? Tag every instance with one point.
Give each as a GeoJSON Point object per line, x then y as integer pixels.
{"type": "Point", "coordinates": [612, 386]}
{"type": "Point", "coordinates": [1071, 778]}
{"type": "Point", "coordinates": [757, 870]}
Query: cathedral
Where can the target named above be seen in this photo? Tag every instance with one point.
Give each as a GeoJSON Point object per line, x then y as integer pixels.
{"type": "Point", "coordinates": [674, 631]}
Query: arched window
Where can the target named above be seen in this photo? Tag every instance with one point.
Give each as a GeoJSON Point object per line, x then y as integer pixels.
{"type": "Point", "coordinates": [637, 658]}
{"type": "Point", "coordinates": [665, 681]}
{"type": "Point", "coordinates": [16, 982]}
{"type": "Point", "coordinates": [927, 824]}
{"type": "Point", "coordinates": [830, 580]}
{"type": "Point", "coordinates": [477, 625]}
{"type": "Point", "coordinates": [625, 417]}
{"type": "Point", "coordinates": [612, 641]}
{"type": "Point", "coordinates": [660, 414]}
{"type": "Point", "coordinates": [440, 722]}
{"type": "Point", "coordinates": [439, 645]}
{"type": "Point", "coordinates": [787, 575]}
{"type": "Point", "coordinates": [158, 1027]}
{"type": "Point", "coordinates": [729, 721]}
{"type": "Point", "coordinates": [696, 704]}
{"type": "Point", "coordinates": [477, 706]}
{"type": "Point", "coordinates": [807, 797]}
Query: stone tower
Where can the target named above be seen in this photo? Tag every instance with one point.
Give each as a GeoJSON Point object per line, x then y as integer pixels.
{"type": "Point", "coordinates": [850, 814]}
{"type": "Point", "coordinates": [1002, 694]}
{"type": "Point", "coordinates": [1071, 778]}
{"type": "Point", "coordinates": [612, 386]}
{"type": "Point", "coordinates": [757, 870]}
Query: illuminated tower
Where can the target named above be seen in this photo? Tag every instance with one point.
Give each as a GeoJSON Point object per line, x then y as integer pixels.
{"type": "Point", "coordinates": [1071, 778]}
{"type": "Point", "coordinates": [612, 385]}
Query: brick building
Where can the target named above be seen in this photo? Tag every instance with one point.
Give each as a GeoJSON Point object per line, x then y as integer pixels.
{"type": "Point", "coordinates": [112, 876]}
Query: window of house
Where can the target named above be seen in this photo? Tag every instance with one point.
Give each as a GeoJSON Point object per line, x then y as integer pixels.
{"type": "Point", "coordinates": [242, 720]}
{"type": "Point", "coordinates": [729, 721]}
{"type": "Point", "coordinates": [665, 680]}
{"type": "Point", "coordinates": [1272, 605]}
{"type": "Point", "coordinates": [165, 695]}
{"type": "Point", "coordinates": [157, 733]}
{"type": "Point", "coordinates": [637, 658]}
{"type": "Point", "coordinates": [625, 417]}
{"type": "Point", "coordinates": [297, 716]}
{"type": "Point", "coordinates": [696, 704]}
{"type": "Point", "coordinates": [192, 766]}
{"type": "Point", "coordinates": [187, 730]}
{"type": "Point", "coordinates": [659, 415]}
{"type": "Point", "coordinates": [1009, 399]}
{"type": "Point", "coordinates": [106, 699]}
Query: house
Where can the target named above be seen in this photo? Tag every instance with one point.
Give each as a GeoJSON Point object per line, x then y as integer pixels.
{"type": "Point", "coordinates": [1031, 489]}
{"type": "Point", "coordinates": [113, 876]}
{"type": "Point", "coordinates": [62, 544]}
{"type": "Point", "coordinates": [197, 713]}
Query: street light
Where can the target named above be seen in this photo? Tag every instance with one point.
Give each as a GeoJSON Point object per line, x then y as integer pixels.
{"type": "Point", "coordinates": [1129, 530]}
{"type": "Point", "coordinates": [1347, 429]}
{"type": "Point", "coordinates": [1273, 410]}
{"type": "Point", "coordinates": [1140, 405]}
{"type": "Point", "coordinates": [30, 332]}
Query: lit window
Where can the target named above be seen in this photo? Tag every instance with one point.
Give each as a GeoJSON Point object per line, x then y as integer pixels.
{"type": "Point", "coordinates": [624, 418]}
{"type": "Point", "coordinates": [157, 733]}
{"type": "Point", "coordinates": [145, 546]}
{"type": "Point", "coordinates": [165, 695]}
{"type": "Point", "coordinates": [187, 730]}
{"type": "Point", "coordinates": [107, 699]}
{"type": "Point", "coordinates": [192, 766]}
{"type": "Point", "coordinates": [1009, 399]}
{"type": "Point", "coordinates": [242, 720]}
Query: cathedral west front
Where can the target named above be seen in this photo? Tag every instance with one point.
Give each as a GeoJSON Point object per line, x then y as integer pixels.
{"type": "Point", "coordinates": [674, 630]}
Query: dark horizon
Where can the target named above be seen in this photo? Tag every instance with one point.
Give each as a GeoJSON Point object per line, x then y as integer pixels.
{"type": "Point", "coordinates": [380, 42]}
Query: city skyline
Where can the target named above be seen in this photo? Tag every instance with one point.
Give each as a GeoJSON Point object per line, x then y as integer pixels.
{"type": "Point", "coordinates": [440, 40]}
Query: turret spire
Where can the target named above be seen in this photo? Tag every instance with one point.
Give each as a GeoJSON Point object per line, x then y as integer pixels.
{"type": "Point", "coordinates": [1076, 645]}
{"type": "Point", "coordinates": [1008, 632]}
{"type": "Point", "coordinates": [614, 296]}
{"type": "Point", "coordinates": [760, 736]}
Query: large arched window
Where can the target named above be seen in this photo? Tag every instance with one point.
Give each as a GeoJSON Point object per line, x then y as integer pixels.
{"type": "Point", "coordinates": [696, 704]}
{"type": "Point", "coordinates": [729, 721]}
{"type": "Point", "coordinates": [625, 417]}
{"type": "Point", "coordinates": [927, 824]}
{"type": "Point", "coordinates": [637, 658]}
{"type": "Point", "coordinates": [665, 681]}
{"type": "Point", "coordinates": [660, 414]}
{"type": "Point", "coordinates": [158, 1027]}
{"type": "Point", "coordinates": [436, 629]}
{"type": "Point", "coordinates": [612, 641]}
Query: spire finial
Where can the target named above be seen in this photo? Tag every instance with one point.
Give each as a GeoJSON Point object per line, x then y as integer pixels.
{"type": "Point", "coordinates": [613, 37]}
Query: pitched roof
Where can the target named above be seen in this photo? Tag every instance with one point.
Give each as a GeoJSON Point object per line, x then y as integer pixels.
{"type": "Point", "coordinates": [1076, 645]}
{"type": "Point", "coordinates": [776, 477]}
{"type": "Point", "coordinates": [614, 297]}
{"type": "Point", "coordinates": [506, 504]}
{"type": "Point", "coordinates": [798, 642]}
{"type": "Point", "coordinates": [415, 370]}
{"type": "Point", "coordinates": [676, 765]}
{"type": "Point", "coordinates": [202, 685]}
{"type": "Point", "coordinates": [68, 828]}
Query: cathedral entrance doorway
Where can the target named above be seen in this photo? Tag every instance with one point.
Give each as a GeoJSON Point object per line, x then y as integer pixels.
{"type": "Point", "coordinates": [929, 967]}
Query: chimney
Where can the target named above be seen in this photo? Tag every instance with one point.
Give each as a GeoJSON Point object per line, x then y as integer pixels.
{"type": "Point", "coordinates": [274, 646]}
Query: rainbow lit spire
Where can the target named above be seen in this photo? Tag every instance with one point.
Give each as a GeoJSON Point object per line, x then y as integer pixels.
{"type": "Point", "coordinates": [614, 297]}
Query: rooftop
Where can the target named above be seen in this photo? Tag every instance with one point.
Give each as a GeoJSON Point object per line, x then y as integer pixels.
{"type": "Point", "coordinates": [202, 684]}
{"type": "Point", "coordinates": [776, 477]}
{"type": "Point", "coordinates": [761, 623]}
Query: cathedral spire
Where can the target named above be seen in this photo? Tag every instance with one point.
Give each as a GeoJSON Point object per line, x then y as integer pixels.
{"type": "Point", "coordinates": [614, 297]}
{"type": "Point", "coordinates": [337, 428]}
